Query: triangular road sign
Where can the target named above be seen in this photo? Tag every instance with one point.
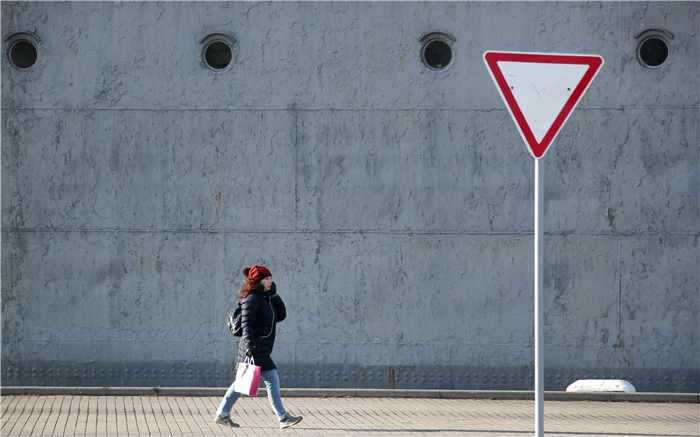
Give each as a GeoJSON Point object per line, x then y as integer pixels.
{"type": "Point", "coordinates": [541, 90]}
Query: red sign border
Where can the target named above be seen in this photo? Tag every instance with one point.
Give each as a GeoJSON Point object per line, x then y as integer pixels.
{"type": "Point", "coordinates": [491, 58]}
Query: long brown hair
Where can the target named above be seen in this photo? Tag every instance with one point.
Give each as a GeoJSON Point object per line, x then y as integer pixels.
{"type": "Point", "coordinates": [248, 287]}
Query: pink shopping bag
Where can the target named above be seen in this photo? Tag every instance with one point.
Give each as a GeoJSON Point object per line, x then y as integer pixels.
{"type": "Point", "coordinates": [247, 377]}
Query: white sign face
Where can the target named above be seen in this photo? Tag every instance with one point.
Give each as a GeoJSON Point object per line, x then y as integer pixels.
{"type": "Point", "coordinates": [541, 90]}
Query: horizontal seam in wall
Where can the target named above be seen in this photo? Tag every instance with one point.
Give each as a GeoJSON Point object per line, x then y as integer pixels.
{"type": "Point", "coordinates": [442, 109]}
{"type": "Point", "coordinates": [346, 231]}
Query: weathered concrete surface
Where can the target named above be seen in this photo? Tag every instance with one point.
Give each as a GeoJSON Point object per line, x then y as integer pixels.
{"type": "Point", "coordinates": [393, 204]}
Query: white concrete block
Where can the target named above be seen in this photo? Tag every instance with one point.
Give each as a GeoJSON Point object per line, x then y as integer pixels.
{"type": "Point", "coordinates": [598, 385]}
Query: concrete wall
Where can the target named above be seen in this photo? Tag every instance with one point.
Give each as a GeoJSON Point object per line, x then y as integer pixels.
{"type": "Point", "coordinates": [393, 203]}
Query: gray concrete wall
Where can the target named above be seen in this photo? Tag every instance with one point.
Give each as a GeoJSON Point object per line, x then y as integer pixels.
{"type": "Point", "coordinates": [393, 203]}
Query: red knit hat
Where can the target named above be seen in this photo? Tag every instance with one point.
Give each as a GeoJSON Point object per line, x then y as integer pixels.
{"type": "Point", "coordinates": [257, 273]}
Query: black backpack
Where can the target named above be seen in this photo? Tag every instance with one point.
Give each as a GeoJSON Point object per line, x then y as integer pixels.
{"type": "Point", "coordinates": [234, 322]}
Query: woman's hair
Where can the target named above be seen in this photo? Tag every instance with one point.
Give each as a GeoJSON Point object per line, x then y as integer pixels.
{"type": "Point", "coordinates": [248, 287]}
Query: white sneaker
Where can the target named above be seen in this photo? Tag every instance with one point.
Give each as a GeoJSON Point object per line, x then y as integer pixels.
{"type": "Point", "coordinates": [226, 421]}
{"type": "Point", "coordinates": [289, 420]}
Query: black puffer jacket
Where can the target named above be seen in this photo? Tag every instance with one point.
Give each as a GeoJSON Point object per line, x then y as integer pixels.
{"type": "Point", "coordinates": [261, 311]}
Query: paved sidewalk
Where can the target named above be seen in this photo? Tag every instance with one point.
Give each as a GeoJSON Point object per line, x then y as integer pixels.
{"type": "Point", "coordinates": [67, 415]}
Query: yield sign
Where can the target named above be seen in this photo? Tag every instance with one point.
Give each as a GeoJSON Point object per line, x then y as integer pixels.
{"type": "Point", "coordinates": [541, 90]}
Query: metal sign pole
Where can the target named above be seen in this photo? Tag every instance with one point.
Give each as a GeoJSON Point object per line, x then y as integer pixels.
{"type": "Point", "coordinates": [540, 90]}
{"type": "Point", "coordinates": [539, 302]}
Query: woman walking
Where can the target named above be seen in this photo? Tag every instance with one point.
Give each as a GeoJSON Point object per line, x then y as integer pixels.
{"type": "Point", "coordinates": [262, 308]}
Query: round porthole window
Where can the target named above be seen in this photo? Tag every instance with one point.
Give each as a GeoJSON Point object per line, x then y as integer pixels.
{"type": "Point", "coordinates": [653, 50]}
{"type": "Point", "coordinates": [437, 51]}
{"type": "Point", "coordinates": [218, 55]}
{"type": "Point", "coordinates": [23, 54]}
{"type": "Point", "coordinates": [437, 54]}
{"type": "Point", "coordinates": [218, 51]}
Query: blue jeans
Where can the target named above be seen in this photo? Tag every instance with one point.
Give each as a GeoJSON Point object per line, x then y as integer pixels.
{"type": "Point", "coordinates": [272, 384]}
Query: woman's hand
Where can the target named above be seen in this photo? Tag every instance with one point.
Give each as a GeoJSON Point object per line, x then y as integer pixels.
{"type": "Point", "coordinates": [273, 289]}
{"type": "Point", "coordinates": [250, 351]}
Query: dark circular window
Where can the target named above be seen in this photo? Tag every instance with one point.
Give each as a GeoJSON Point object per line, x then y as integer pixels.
{"type": "Point", "coordinates": [653, 52]}
{"type": "Point", "coordinates": [437, 54]}
{"type": "Point", "coordinates": [23, 54]}
{"type": "Point", "coordinates": [218, 55]}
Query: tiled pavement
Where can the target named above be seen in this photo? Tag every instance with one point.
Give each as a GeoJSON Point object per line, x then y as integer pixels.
{"type": "Point", "coordinates": [67, 415]}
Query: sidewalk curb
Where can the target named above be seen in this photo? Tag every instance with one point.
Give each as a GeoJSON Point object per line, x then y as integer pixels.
{"type": "Point", "coordinates": [693, 398]}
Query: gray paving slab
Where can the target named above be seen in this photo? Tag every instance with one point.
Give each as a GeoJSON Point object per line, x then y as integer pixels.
{"type": "Point", "coordinates": [93, 416]}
